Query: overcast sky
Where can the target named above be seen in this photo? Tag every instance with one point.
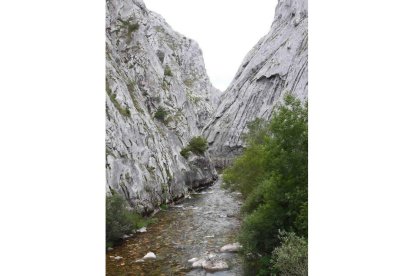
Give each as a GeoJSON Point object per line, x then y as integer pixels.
{"type": "Point", "coordinates": [226, 30]}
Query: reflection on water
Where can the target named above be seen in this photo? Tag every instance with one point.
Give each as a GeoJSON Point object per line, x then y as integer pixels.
{"type": "Point", "coordinates": [194, 228]}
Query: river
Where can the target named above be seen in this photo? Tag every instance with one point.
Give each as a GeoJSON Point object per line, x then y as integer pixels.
{"type": "Point", "coordinates": [195, 227]}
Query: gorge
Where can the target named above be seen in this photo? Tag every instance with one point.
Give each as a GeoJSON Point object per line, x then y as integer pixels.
{"type": "Point", "coordinates": [152, 68]}
{"type": "Point", "coordinates": [159, 97]}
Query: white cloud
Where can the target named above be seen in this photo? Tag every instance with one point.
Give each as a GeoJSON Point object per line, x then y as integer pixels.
{"type": "Point", "coordinates": [226, 30]}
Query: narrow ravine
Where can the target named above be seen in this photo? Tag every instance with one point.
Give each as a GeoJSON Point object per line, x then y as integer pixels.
{"type": "Point", "coordinates": [194, 228]}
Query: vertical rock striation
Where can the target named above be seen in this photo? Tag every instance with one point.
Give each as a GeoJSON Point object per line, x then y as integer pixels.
{"type": "Point", "coordinates": [158, 96]}
{"type": "Point", "coordinates": [276, 65]}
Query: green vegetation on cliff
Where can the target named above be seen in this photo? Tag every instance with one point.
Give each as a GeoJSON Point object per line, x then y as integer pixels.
{"type": "Point", "coordinates": [197, 145]}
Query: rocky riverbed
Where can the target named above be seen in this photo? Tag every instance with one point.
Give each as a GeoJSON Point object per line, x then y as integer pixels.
{"type": "Point", "coordinates": [195, 228]}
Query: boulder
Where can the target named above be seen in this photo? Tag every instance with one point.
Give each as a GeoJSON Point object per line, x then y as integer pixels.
{"type": "Point", "coordinates": [192, 260]}
{"type": "Point", "coordinates": [198, 263]}
{"type": "Point", "coordinates": [233, 247]}
{"type": "Point", "coordinates": [214, 265]}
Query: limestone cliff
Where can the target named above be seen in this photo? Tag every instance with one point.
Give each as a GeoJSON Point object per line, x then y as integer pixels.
{"type": "Point", "coordinates": [276, 65]}
{"type": "Point", "coordinates": [158, 96]}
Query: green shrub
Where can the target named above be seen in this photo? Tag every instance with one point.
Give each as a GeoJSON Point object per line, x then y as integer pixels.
{"type": "Point", "coordinates": [167, 71]}
{"type": "Point", "coordinates": [161, 114]}
{"type": "Point", "coordinates": [130, 27]}
{"type": "Point", "coordinates": [124, 111]}
{"type": "Point", "coordinates": [189, 82]}
{"type": "Point", "coordinates": [197, 145]}
{"type": "Point", "coordinates": [291, 257]}
{"type": "Point", "coordinates": [272, 176]}
{"type": "Point", "coordinates": [185, 152]}
{"type": "Point", "coordinates": [119, 220]}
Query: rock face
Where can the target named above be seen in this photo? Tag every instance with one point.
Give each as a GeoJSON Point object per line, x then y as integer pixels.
{"type": "Point", "coordinates": [158, 96]}
{"type": "Point", "coordinates": [276, 65]}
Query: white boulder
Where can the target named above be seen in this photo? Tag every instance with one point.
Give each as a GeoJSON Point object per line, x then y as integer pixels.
{"type": "Point", "coordinates": [233, 247]}
{"type": "Point", "coordinates": [217, 265]}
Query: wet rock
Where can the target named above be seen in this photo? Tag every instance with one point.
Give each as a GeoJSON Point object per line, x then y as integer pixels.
{"type": "Point", "coordinates": [215, 265]}
{"type": "Point", "coordinates": [198, 263]}
{"type": "Point", "coordinates": [109, 249]}
{"type": "Point", "coordinates": [234, 247]}
{"type": "Point", "coordinates": [139, 261]}
{"type": "Point", "coordinates": [193, 260]}
{"type": "Point", "coordinates": [125, 237]}
{"type": "Point", "coordinates": [117, 258]}
{"type": "Point", "coordinates": [212, 256]}
{"type": "Point", "coordinates": [149, 256]}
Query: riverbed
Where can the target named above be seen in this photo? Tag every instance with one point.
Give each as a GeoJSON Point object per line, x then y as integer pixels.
{"type": "Point", "coordinates": [193, 228]}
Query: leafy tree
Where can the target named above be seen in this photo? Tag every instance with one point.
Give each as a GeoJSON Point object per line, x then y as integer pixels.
{"type": "Point", "coordinates": [249, 167]}
{"type": "Point", "coordinates": [272, 176]}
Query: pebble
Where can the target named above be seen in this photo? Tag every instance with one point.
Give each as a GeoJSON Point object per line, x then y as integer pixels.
{"type": "Point", "coordinates": [142, 230]}
{"type": "Point", "coordinates": [149, 255]}
{"type": "Point", "coordinates": [139, 261]}
{"type": "Point", "coordinates": [193, 260]}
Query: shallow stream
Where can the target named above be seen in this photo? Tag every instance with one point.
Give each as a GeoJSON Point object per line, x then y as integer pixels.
{"type": "Point", "coordinates": [195, 227]}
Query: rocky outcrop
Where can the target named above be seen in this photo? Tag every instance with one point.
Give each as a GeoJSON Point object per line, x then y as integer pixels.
{"type": "Point", "coordinates": [276, 65]}
{"type": "Point", "coordinates": [158, 96]}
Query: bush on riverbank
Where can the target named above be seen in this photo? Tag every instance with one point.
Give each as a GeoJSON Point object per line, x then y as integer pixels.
{"type": "Point", "coordinates": [120, 220]}
{"type": "Point", "coordinates": [272, 175]}
{"type": "Point", "coordinates": [291, 257]}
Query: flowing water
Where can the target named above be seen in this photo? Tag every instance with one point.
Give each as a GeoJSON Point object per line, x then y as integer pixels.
{"type": "Point", "coordinates": [194, 228]}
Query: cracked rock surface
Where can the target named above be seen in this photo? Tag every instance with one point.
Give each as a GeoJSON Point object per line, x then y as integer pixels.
{"type": "Point", "coordinates": [158, 96]}
{"type": "Point", "coordinates": [276, 65]}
